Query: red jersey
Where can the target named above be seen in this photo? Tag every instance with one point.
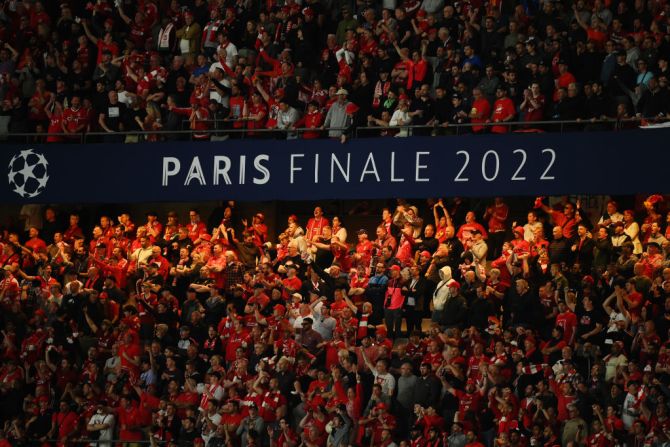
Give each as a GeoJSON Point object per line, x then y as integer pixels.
{"type": "Point", "coordinates": [75, 118]}
{"type": "Point", "coordinates": [128, 423]}
{"type": "Point", "coordinates": [364, 251]}
{"type": "Point", "coordinates": [568, 321]}
{"type": "Point", "coordinates": [311, 120]}
{"type": "Point", "coordinates": [55, 127]}
{"type": "Point", "coordinates": [36, 244]}
{"type": "Point", "coordinates": [66, 423]}
{"type": "Point", "coordinates": [257, 109]}
{"type": "Point", "coordinates": [234, 341]}
{"type": "Point", "coordinates": [195, 230]}
{"type": "Point", "coordinates": [102, 47]}
{"type": "Point", "coordinates": [498, 218]}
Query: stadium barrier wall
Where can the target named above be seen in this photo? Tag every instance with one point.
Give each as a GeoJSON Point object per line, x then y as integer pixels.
{"type": "Point", "coordinates": [629, 162]}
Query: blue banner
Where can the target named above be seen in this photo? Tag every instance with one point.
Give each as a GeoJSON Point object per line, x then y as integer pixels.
{"type": "Point", "coordinates": [477, 166]}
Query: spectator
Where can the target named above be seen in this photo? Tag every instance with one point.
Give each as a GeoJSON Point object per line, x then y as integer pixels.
{"type": "Point", "coordinates": [337, 118]}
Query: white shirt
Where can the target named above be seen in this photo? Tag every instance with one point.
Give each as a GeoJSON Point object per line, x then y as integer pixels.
{"type": "Point", "coordinates": [616, 217]}
{"type": "Point", "coordinates": [387, 382]}
{"type": "Point", "coordinates": [231, 53]}
{"type": "Point", "coordinates": [629, 413]}
{"type": "Point", "coordinates": [529, 230]}
{"type": "Point", "coordinates": [398, 117]}
{"type": "Point", "coordinates": [206, 434]}
{"type": "Point", "coordinates": [107, 433]}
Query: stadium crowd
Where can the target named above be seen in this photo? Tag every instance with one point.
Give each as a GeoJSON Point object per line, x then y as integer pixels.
{"type": "Point", "coordinates": [72, 66]}
{"type": "Point", "coordinates": [169, 331]}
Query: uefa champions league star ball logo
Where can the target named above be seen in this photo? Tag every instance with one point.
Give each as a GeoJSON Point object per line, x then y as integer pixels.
{"type": "Point", "coordinates": [27, 173]}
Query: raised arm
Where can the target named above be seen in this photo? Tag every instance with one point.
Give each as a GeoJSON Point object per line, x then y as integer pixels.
{"type": "Point", "coordinates": [123, 15]}
{"type": "Point", "coordinates": [88, 32]}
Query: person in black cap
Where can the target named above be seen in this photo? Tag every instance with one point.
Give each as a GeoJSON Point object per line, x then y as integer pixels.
{"type": "Point", "coordinates": [459, 115]}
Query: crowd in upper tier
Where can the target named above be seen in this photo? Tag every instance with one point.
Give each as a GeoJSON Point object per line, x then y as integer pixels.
{"type": "Point", "coordinates": [328, 66]}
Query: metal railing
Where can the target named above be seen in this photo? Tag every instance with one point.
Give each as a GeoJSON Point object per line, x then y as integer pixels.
{"type": "Point", "coordinates": [218, 133]}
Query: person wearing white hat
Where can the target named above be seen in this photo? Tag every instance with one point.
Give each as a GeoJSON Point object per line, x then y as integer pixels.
{"type": "Point", "coordinates": [337, 119]}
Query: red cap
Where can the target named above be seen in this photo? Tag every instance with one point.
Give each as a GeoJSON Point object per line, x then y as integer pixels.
{"type": "Point", "coordinates": [351, 108]}
{"type": "Point", "coordinates": [381, 330]}
{"type": "Point", "coordinates": [426, 254]}
{"type": "Point", "coordinates": [380, 406]}
{"type": "Point", "coordinates": [454, 283]}
{"type": "Point", "coordinates": [402, 97]}
{"type": "Point", "coordinates": [280, 308]}
{"type": "Point", "coordinates": [395, 267]}
{"type": "Point", "coordinates": [589, 279]}
{"type": "Point", "coordinates": [519, 229]}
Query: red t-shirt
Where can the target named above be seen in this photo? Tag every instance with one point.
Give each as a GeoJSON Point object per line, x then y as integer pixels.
{"type": "Point", "coordinates": [480, 112]}
{"type": "Point", "coordinates": [503, 108]}
{"type": "Point", "coordinates": [55, 127]}
{"type": "Point", "coordinates": [75, 118]}
{"type": "Point", "coordinates": [568, 321]}
{"type": "Point", "coordinates": [102, 46]}
{"type": "Point", "coordinates": [128, 420]}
